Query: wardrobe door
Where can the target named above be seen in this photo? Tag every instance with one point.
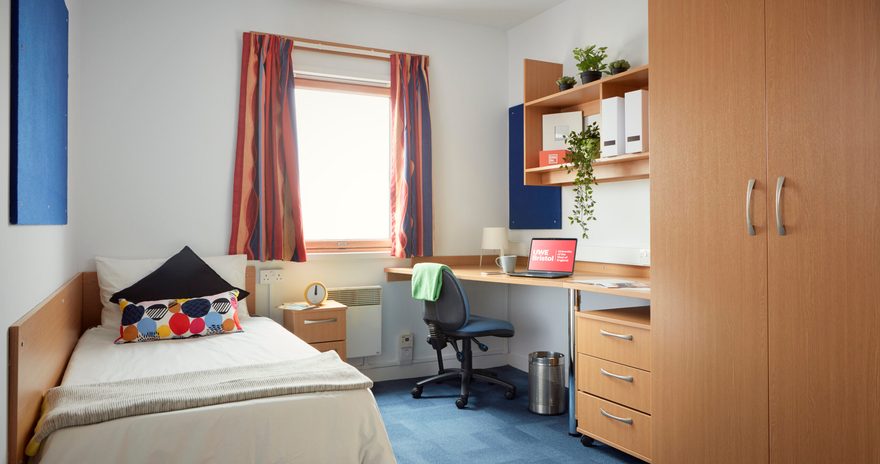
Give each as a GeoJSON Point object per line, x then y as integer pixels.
{"type": "Point", "coordinates": [709, 275]}
{"type": "Point", "coordinates": [823, 100]}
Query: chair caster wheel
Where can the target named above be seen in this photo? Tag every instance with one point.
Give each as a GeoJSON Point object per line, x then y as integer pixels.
{"type": "Point", "coordinates": [586, 441]}
{"type": "Point", "coordinates": [461, 402]}
{"type": "Point", "coordinates": [510, 394]}
{"type": "Point", "coordinates": [416, 392]}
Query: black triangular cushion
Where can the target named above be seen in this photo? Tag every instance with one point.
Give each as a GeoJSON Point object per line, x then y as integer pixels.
{"type": "Point", "coordinates": [184, 275]}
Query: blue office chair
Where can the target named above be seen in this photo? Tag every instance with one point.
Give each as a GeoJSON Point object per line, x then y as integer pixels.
{"type": "Point", "coordinates": [449, 320]}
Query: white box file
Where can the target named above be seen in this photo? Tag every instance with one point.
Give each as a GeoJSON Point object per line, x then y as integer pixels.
{"type": "Point", "coordinates": [612, 130]}
{"type": "Point", "coordinates": [636, 109]}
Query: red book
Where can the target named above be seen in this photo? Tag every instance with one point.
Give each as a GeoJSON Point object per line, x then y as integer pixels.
{"type": "Point", "coordinates": [551, 157]}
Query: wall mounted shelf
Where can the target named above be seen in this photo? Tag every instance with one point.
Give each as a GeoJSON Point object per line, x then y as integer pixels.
{"type": "Point", "coordinates": [616, 169]}
{"type": "Point", "coordinates": [541, 97]}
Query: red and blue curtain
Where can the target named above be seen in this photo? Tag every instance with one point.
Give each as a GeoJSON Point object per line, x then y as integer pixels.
{"type": "Point", "coordinates": [411, 211]}
{"type": "Point", "coordinates": [266, 214]}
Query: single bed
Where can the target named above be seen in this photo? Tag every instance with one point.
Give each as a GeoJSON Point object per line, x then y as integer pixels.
{"type": "Point", "coordinates": [337, 427]}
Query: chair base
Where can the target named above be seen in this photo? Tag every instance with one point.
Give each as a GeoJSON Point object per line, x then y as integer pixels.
{"type": "Point", "coordinates": [465, 378]}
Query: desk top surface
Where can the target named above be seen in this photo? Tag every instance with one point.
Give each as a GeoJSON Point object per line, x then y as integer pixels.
{"type": "Point", "coordinates": [475, 273]}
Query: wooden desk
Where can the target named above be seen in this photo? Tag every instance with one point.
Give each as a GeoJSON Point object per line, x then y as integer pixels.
{"type": "Point", "coordinates": [468, 268]}
{"type": "Point", "coordinates": [583, 271]}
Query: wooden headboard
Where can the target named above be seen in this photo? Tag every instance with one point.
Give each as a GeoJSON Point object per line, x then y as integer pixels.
{"type": "Point", "coordinates": [40, 344]}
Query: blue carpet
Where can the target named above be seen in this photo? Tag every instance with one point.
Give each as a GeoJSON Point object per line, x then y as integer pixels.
{"type": "Point", "coordinates": [491, 430]}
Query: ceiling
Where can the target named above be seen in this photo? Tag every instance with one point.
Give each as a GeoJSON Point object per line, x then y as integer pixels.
{"type": "Point", "coordinates": [502, 14]}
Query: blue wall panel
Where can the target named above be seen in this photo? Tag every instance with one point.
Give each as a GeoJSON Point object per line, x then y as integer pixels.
{"type": "Point", "coordinates": [38, 132]}
{"type": "Point", "coordinates": [530, 207]}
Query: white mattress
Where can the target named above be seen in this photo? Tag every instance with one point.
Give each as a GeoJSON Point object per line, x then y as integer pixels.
{"type": "Point", "coordinates": [331, 427]}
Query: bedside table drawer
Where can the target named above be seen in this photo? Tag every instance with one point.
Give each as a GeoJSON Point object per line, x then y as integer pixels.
{"type": "Point", "coordinates": [327, 346]}
{"type": "Point", "coordinates": [622, 384]}
{"type": "Point", "coordinates": [614, 342]}
{"type": "Point", "coordinates": [315, 326]}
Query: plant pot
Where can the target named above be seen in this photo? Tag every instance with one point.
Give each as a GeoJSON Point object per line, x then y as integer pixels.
{"type": "Point", "coordinates": [590, 76]}
{"type": "Point", "coordinates": [565, 86]}
{"type": "Point", "coordinates": [617, 70]}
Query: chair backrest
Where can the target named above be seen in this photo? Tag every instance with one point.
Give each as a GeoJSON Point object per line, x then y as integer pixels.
{"type": "Point", "coordinates": [452, 309]}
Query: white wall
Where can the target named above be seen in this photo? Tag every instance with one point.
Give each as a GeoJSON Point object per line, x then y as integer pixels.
{"type": "Point", "coordinates": [154, 95]}
{"type": "Point", "coordinates": [36, 259]}
{"type": "Point", "coordinates": [622, 227]}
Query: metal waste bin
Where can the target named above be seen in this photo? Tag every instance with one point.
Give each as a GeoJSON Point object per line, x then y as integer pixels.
{"type": "Point", "coordinates": [547, 383]}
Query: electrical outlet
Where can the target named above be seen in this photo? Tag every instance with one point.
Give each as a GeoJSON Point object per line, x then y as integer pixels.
{"type": "Point", "coordinates": [406, 356]}
{"type": "Point", "coordinates": [644, 256]}
{"type": "Point", "coordinates": [271, 276]}
{"type": "Point", "coordinates": [406, 348]}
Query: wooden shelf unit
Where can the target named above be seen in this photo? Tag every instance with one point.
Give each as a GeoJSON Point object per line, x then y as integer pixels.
{"type": "Point", "coordinates": [542, 98]}
{"type": "Point", "coordinates": [616, 169]}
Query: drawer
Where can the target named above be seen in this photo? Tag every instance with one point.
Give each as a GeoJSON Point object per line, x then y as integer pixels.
{"type": "Point", "coordinates": [614, 342]}
{"type": "Point", "coordinates": [327, 346]}
{"type": "Point", "coordinates": [317, 326]}
{"type": "Point", "coordinates": [621, 384]}
{"type": "Point", "coordinates": [627, 430]}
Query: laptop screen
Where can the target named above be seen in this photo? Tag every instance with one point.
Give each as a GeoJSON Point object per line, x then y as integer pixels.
{"type": "Point", "coordinates": [552, 254]}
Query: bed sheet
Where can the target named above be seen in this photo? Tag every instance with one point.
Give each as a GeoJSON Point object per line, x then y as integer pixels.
{"type": "Point", "coordinates": [331, 427]}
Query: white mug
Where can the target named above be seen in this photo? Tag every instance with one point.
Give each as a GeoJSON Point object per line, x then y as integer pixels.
{"type": "Point", "coordinates": [506, 263]}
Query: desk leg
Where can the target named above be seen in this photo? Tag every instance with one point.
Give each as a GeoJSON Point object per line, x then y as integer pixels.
{"type": "Point", "coordinates": [574, 303]}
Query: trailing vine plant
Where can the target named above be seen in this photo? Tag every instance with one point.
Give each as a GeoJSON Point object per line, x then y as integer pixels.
{"type": "Point", "coordinates": [583, 148]}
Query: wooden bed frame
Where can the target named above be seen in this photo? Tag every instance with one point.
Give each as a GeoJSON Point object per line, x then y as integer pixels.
{"type": "Point", "coordinates": [41, 342]}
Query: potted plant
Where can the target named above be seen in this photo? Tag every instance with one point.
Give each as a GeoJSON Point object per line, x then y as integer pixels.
{"type": "Point", "coordinates": [590, 62]}
{"type": "Point", "coordinates": [583, 148]}
{"type": "Point", "coordinates": [565, 82]}
{"type": "Point", "coordinates": [618, 66]}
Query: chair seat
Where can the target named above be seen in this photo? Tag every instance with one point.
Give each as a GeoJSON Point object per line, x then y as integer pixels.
{"type": "Point", "coordinates": [478, 326]}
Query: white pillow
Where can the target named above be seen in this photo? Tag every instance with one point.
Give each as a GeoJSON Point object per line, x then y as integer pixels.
{"type": "Point", "coordinates": [116, 274]}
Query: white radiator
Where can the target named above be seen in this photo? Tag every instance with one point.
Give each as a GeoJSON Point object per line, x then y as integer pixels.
{"type": "Point", "coordinates": [363, 325]}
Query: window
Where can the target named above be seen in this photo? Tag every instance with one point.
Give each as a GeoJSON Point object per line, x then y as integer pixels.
{"type": "Point", "coordinates": [344, 163]}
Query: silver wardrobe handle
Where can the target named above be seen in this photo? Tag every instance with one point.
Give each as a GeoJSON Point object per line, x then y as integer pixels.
{"type": "Point", "coordinates": [610, 334]}
{"type": "Point", "coordinates": [319, 321]}
{"type": "Point", "coordinates": [749, 226]}
{"type": "Point", "coordinates": [625, 420]}
{"type": "Point", "coordinates": [780, 227]}
{"type": "Point", "coordinates": [625, 378]}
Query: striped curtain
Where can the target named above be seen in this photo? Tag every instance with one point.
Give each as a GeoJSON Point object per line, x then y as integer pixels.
{"type": "Point", "coordinates": [266, 216]}
{"type": "Point", "coordinates": [411, 210]}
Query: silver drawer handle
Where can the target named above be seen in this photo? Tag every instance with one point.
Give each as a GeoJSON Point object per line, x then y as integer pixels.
{"type": "Point", "coordinates": [611, 334]}
{"type": "Point", "coordinates": [750, 228]}
{"type": "Point", "coordinates": [319, 321]}
{"type": "Point", "coordinates": [780, 227]}
{"type": "Point", "coordinates": [625, 420]}
{"type": "Point", "coordinates": [625, 378]}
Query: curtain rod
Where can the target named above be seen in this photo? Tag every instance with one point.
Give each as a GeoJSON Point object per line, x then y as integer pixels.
{"type": "Point", "coordinates": [336, 45]}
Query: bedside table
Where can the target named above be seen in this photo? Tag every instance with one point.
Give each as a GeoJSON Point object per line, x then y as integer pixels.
{"type": "Point", "coordinates": [322, 327]}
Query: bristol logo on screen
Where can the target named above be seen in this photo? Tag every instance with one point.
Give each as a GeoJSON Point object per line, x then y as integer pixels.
{"type": "Point", "coordinates": [552, 255]}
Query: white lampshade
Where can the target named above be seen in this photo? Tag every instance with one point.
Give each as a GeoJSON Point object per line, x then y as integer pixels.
{"type": "Point", "coordinates": [495, 238]}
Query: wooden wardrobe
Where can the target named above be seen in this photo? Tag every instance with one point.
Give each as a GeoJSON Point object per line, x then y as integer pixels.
{"type": "Point", "coordinates": [766, 340]}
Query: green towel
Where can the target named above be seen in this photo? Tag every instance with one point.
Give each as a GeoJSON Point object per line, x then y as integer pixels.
{"type": "Point", "coordinates": [427, 280]}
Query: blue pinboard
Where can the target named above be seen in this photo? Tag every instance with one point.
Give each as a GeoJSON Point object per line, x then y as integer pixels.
{"type": "Point", "coordinates": [38, 113]}
{"type": "Point", "coordinates": [530, 207]}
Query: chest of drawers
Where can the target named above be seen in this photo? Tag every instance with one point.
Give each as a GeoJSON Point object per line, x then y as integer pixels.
{"type": "Point", "coordinates": [613, 378]}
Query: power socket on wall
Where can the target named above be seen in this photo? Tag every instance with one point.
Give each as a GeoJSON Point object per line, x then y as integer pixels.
{"type": "Point", "coordinates": [271, 276]}
{"type": "Point", "coordinates": [645, 256]}
{"type": "Point", "coordinates": [406, 349]}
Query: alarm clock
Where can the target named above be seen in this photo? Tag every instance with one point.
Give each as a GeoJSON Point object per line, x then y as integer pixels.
{"type": "Point", "coordinates": [316, 293]}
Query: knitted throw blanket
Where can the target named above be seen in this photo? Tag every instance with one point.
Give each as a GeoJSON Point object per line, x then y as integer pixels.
{"type": "Point", "coordinates": [75, 405]}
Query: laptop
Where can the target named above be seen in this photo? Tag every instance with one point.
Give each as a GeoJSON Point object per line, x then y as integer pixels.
{"type": "Point", "coordinates": [550, 258]}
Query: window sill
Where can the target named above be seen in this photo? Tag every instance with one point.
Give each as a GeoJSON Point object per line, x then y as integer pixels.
{"type": "Point", "coordinates": [326, 255]}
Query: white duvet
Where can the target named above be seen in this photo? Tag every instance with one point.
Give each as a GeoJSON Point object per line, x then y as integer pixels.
{"type": "Point", "coordinates": [332, 427]}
